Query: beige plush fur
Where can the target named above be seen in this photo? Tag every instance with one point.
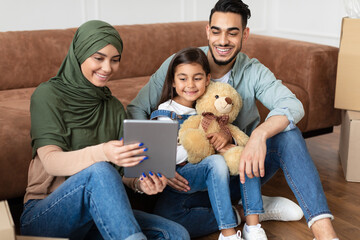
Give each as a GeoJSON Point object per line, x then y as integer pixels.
{"type": "Point", "coordinates": [193, 136]}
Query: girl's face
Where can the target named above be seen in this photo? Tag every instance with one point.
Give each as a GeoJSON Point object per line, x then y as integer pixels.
{"type": "Point", "coordinates": [99, 67]}
{"type": "Point", "coordinates": [190, 83]}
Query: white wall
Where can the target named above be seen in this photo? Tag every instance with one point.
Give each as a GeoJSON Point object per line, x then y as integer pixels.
{"type": "Point", "coordinates": [308, 20]}
{"type": "Point", "coordinates": [315, 21]}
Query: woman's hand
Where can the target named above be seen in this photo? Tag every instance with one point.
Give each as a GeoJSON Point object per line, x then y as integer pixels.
{"type": "Point", "coordinates": [179, 183]}
{"type": "Point", "coordinates": [152, 183]}
{"type": "Point", "coordinates": [124, 155]}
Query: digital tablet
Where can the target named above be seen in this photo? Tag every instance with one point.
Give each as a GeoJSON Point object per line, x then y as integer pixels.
{"type": "Point", "coordinates": [160, 137]}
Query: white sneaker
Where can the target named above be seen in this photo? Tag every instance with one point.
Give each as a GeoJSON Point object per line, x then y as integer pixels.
{"type": "Point", "coordinates": [254, 232]}
{"type": "Point", "coordinates": [280, 209]}
{"type": "Point", "coordinates": [236, 236]}
{"type": "Point", "coordinates": [237, 215]}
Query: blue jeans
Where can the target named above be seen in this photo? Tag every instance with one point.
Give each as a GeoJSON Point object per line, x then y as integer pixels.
{"type": "Point", "coordinates": [210, 176]}
{"type": "Point", "coordinates": [286, 151]}
{"type": "Point", "coordinates": [93, 204]}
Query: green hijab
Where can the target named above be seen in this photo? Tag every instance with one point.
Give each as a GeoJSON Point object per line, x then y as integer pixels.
{"type": "Point", "coordinates": [68, 110]}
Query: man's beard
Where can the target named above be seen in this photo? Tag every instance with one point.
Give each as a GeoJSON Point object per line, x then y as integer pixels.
{"type": "Point", "coordinates": [223, 63]}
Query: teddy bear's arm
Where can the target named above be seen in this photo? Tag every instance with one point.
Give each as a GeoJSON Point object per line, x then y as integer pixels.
{"type": "Point", "coordinates": [240, 137]}
{"type": "Point", "coordinates": [191, 122]}
{"type": "Point", "coordinates": [194, 140]}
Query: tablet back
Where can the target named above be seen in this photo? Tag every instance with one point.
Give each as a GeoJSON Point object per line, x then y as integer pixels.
{"type": "Point", "coordinates": [160, 137]}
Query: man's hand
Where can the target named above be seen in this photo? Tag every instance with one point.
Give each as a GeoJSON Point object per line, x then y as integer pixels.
{"type": "Point", "coordinates": [179, 183]}
{"type": "Point", "coordinates": [219, 140]}
{"type": "Point", "coordinates": [253, 158]}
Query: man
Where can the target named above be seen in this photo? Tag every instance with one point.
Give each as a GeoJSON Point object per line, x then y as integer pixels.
{"type": "Point", "coordinates": [274, 144]}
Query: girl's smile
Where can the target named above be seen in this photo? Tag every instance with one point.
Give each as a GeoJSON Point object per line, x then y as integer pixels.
{"type": "Point", "coordinates": [190, 83]}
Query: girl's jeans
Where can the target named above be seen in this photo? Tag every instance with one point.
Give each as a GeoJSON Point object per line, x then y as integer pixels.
{"type": "Point", "coordinates": [93, 204]}
{"type": "Point", "coordinates": [211, 176]}
{"type": "Point", "coordinates": [286, 150]}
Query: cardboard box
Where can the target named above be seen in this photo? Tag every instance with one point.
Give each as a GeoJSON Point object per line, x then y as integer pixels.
{"type": "Point", "coordinates": [349, 149]}
{"type": "Point", "coordinates": [348, 72]}
{"type": "Point", "coordinates": [7, 227]}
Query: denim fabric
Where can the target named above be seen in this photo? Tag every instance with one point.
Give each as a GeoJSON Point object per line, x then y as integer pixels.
{"type": "Point", "coordinates": [93, 204]}
{"type": "Point", "coordinates": [170, 114]}
{"type": "Point", "coordinates": [211, 175]}
{"type": "Point", "coordinates": [251, 195]}
{"type": "Point", "coordinates": [286, 151]}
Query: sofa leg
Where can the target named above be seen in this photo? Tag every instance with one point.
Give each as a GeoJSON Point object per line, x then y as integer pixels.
{"type": "Point", "coordinates": [318, 132]}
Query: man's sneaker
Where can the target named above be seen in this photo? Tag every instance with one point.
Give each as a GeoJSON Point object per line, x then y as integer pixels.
{"type": "Point", "coordinates": [280, 209]}
{"type": "Point", "coordinates": [237, 215]}
{"type": "Point", "coordinates": [254, 232]}
{"type": "Point", "coordinates": [236, 236]}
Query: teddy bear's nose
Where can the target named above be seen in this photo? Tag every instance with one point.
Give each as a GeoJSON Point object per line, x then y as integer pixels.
{"type": "Point", "coordinates": [228, 100]}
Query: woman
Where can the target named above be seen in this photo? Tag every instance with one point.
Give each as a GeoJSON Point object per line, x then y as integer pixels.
{"type": "Point", "coordinates": [73, 190]}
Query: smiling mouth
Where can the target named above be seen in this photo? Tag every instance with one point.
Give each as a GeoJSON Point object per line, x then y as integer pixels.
{"type": "Point", "coordinates": [103, 77]}
{"type": "Point", "coordinates": [190, 92]}
{"type": "Point", "coordinates": [223, 51]}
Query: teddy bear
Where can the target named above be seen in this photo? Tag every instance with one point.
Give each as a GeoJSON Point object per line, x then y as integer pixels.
{"type": "Point", "coordinates": [216, 110]}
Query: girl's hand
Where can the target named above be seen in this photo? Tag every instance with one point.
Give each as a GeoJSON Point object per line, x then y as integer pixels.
{"type": "Point", "coordinates": [219, 140]}
{"type": "Point", "coordinates": [152, 183]}
{"type": "Point", "coordinates": [124, 155]}
{"type": "Point", "coordinates": [179, 183]}
{"type": "Point", "coordinates": [227, 147]}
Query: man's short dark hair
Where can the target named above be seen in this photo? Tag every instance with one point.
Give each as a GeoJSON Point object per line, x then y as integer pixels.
{"type": "Point", "coordinates": [233, 6]}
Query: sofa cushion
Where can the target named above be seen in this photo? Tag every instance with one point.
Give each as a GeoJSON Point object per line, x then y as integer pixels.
{"type": "Point", "coordinates": [126, 89]}
{"type": "Point", "coordinates": [16, 149]}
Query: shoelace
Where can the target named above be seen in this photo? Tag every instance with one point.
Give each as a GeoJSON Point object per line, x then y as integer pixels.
{"type": "Point", "coordinates": [238, 235]}
{"type": "Point", "coordinates": [258, 233]}
{"type": "Point", "coordinates": [271, 215]}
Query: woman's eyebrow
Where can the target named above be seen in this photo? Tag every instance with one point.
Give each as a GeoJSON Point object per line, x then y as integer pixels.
{"type": "Point", "coordinates": [102, 54]}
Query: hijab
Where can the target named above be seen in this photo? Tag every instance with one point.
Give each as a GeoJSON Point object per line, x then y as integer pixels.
{"type": "Point", "coordinates": [68, 110]}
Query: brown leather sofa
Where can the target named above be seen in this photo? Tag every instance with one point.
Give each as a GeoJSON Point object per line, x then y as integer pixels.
{"type": "Point", "coordinates": [29, 58]}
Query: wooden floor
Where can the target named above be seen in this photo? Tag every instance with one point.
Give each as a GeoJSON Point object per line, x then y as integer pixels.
{"type": "Point", "coordinates": [343, 197]}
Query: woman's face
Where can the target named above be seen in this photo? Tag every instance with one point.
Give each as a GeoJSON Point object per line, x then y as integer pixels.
{"type": "Point", "coordinates": [99, 67]}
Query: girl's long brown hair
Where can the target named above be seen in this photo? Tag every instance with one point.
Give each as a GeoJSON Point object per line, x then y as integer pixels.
{"type": "Point", "coordinates": [187, 56]}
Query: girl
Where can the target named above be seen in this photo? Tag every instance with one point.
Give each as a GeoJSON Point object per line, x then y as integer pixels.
{"type": "Point", "coordinates": [73, 189]}
{"type": "Point", "coordinates": [186, 80]}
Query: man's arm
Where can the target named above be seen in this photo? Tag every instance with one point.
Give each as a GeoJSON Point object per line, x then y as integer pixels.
{"type": "Point", "coordinates": [276, 97]}
{"type": "Point", "coordinates": [285, 111]}
{"type": "Point", "coordinates": [148, 97]}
